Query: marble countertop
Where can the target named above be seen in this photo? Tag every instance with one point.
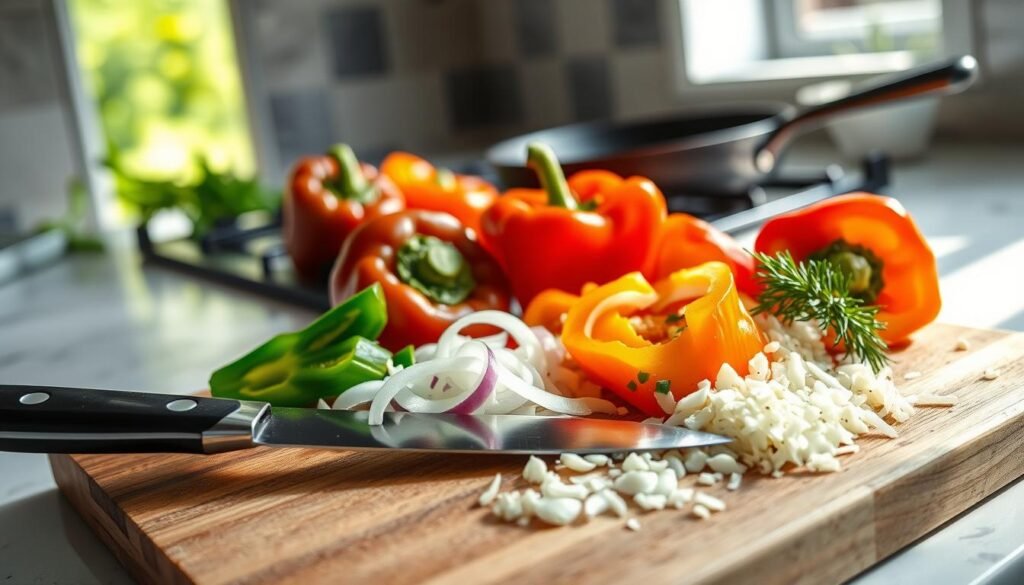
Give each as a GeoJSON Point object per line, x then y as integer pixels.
{"type": "Point", "coordinates": [104, 321]}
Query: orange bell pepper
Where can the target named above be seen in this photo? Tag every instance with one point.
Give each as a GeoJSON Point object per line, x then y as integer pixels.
{"type": "Point", "coordinates": [636, 339]}
{"type": "Point", "coordinates": [548, 309]}
{"type": "Point", "coordinates": [435, 189]}
{"type": "Point", "coordinates": [594, 227]}
{"type": "Point", "coordinates": [686, 241]}
{"type": "Point", "coordinates": [873, 239]}
{"type": "Point", "coordinates": [327, 197]}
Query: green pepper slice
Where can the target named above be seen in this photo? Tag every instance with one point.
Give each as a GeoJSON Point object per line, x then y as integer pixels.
{"type": "Point", "coordinates": [404, 357]}
{"type": "Point", "coordinates": [332, 354]}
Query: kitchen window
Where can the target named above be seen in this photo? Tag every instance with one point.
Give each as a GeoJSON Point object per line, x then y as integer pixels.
{"type": "Point", "coordinates": [729, 41]}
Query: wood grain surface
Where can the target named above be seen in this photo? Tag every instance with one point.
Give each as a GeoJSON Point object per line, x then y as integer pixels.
{"type": "Point", "coordinates": [304, 516]}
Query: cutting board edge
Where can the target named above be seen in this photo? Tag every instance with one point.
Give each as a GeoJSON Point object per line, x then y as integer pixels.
{"type": "Point", "coordinates": [112, 526]}
{"type": "Point", "coordinates": [930, 477]}
{"type": "Point", "coordinates": [980, 453]}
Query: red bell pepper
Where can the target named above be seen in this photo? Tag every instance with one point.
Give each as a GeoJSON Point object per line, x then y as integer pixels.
{"type": "Point", "coordinates": [595, 227]}
{"type": "Point", "coordinates": [327, 197]}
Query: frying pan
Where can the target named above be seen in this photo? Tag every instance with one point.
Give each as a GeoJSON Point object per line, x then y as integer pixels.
{"type": "Point", "coordinates": [716, 150]}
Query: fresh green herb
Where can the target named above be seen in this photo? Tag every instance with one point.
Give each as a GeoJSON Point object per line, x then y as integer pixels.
{"type": "Point", "coordinates": [818, 290]}
{"type": "Point", "coordinates": [631, 386]}
{"type": "Point", "coordinates": [643, 377]}
{"type": "Point", "coordinates": [210, 198]}
{"type": "Point", "coordinates": [662, 386]}
{"type": "Point", "coordinates": [674, 318]}
{"type": "Point", "coordinates": [863, 266]}
{"type": "Point", "coordinates": [74, 223]}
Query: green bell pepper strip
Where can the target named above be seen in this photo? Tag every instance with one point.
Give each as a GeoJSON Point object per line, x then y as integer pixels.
{"type": "Point", "coordinates": [334, 353]}
{"type": "Point", "coordinates": [404, 357]}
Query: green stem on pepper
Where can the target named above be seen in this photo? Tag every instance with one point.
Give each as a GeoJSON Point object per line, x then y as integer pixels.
{"type": "Point", "coordinates": [351, 183]}
{"type": "Point", "coordinates": [436, 268]}
{"type": "Point", "coordinates": [860, 264]}
{"type": "Point", "coordinates": [543, 161]}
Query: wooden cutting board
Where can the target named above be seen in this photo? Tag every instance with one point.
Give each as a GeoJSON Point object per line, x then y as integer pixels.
{"type": "Point", "coordinates": [305, 516]}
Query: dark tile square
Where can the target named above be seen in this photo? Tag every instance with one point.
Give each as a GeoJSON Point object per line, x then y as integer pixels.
{"type": "Point", "coordinates": [536, 27]}
{"type": "Point", "coordinates": [8, 219]}
{"type": "Point", "coordinates": [483, 96]}
{"type": "Point", "coordinates": [590, 92]}
{"type": "Point", "coordinates": [26, 67]}
{"type": "Point", "coordinates": [357, 41]}
{"type": "Point", "coordinates": [636, 23]}
{"type": "Point", "coordinates": [301, 124]}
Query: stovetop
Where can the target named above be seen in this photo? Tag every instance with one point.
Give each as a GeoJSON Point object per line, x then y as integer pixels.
{"type": "Point", "coordinates": [252, 257]}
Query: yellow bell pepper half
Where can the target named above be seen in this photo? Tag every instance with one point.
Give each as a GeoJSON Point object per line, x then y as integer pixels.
{"type": "Point", "coordinates": [636, 339]}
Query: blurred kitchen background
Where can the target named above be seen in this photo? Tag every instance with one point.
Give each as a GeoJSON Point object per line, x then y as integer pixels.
{"type": "Point", "coordinates": [104, 101]}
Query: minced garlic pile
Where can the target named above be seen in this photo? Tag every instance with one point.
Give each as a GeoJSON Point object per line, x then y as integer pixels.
{"type": "Point", "coordinates": [796, 408]}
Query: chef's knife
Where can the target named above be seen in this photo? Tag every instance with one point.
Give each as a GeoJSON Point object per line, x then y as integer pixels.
{"type": "Point", "coordinates": [43, 419]}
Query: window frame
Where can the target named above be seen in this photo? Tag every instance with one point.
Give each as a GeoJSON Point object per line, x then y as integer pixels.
{"type": "Point", "coordinates": [957, 39]}
{"type": "Point", "coordinates": [785, 31]}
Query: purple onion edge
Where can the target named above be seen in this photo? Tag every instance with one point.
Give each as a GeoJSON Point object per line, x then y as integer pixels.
{"type": "Point", "coordinates": [484, 389]}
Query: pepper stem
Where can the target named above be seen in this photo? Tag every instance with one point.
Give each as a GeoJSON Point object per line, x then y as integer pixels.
{"type": "Point", "coordinates": [543, 161]}
{"type": "Point", "coordinates": [860, 265]}
{"type": "Point", "coordinates": [351, 181]}
{"type": "Point", "coordinates": [435, 268]}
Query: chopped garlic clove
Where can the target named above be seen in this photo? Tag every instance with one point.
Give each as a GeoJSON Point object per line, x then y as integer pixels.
{"type": "Point", "coordinates": [734, 482]}
{"type": "Point", "coordinates": [667, 482]}
{"type": "Point", "coordinates": [615, 503]}
{"type": "Point", "coordinates": [701, 512]}
{"type": "Point", "coordinates": [650, 502]}
{"type": "Point", "coordinates": [708, 501]}
{"type": "Point", "coordinates": [695, 460]}
{"type": "Point", "coordinates": [706, 479]}
{"type": "Point", "coordinates": [595, 505]}
{"type": "Point", "coordinates": [725, 463]}
{"type": "Point", "coordinates": [576, 463]}
{"type": "Point", "coordinates": [491, 492]}
{"type": "Point", "coordinates": [535, 470]}
{"type": "Point", "coordinates": [635, 462]}
{"type": "Point", "coordinates": [636, 482]}
{"type": "Point", "coordinates": [558, 511]}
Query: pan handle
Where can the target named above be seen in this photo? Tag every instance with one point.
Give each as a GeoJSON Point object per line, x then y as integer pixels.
{"type": "Point", "coordinates": [945, 77]}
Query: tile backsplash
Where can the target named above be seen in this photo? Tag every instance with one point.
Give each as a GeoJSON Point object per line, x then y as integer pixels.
{"type": "Point", "coordinates": [439, 76]}
{"type": "Point", "coordinates": [452, 76]}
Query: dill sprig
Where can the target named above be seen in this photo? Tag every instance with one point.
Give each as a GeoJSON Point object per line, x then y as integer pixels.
{"type": "Point", "coordinates": [819, 290]}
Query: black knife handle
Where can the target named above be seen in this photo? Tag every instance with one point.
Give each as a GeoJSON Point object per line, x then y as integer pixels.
{"type": "Point", "coordinates": [45, 419]}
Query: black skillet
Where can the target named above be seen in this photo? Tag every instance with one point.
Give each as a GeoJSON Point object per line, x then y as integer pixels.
{"type": "Point", "coordinates": [719, 150]}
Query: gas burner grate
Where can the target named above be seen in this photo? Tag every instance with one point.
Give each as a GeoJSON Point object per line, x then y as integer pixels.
{"type": "Point", "coordinates": [253, 257]}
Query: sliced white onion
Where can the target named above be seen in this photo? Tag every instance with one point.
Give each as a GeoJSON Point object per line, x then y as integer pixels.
{"type": "Point", "coordinates": [464, 402]}
{"type": "Point", "coordinates": [358, 394]}
{"type": "Point", "coordinates": [496, 341]}
{"type": "Point", "coordinates": [554, 350]}
{"type": "Point", "coordinates": [545, 399]}
{"type": "Point", "coordinates": [524, 337]}
{"type": "Point", "coordinates": [409, 376]}
{"type": "Point", "coordinates": [631, 299]}
{"type": "Point", "coordinates": [425, 352]}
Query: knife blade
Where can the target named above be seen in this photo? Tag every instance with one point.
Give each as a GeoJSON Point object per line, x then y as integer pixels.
{"type": "Point", "coordinates": [78, 420]}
